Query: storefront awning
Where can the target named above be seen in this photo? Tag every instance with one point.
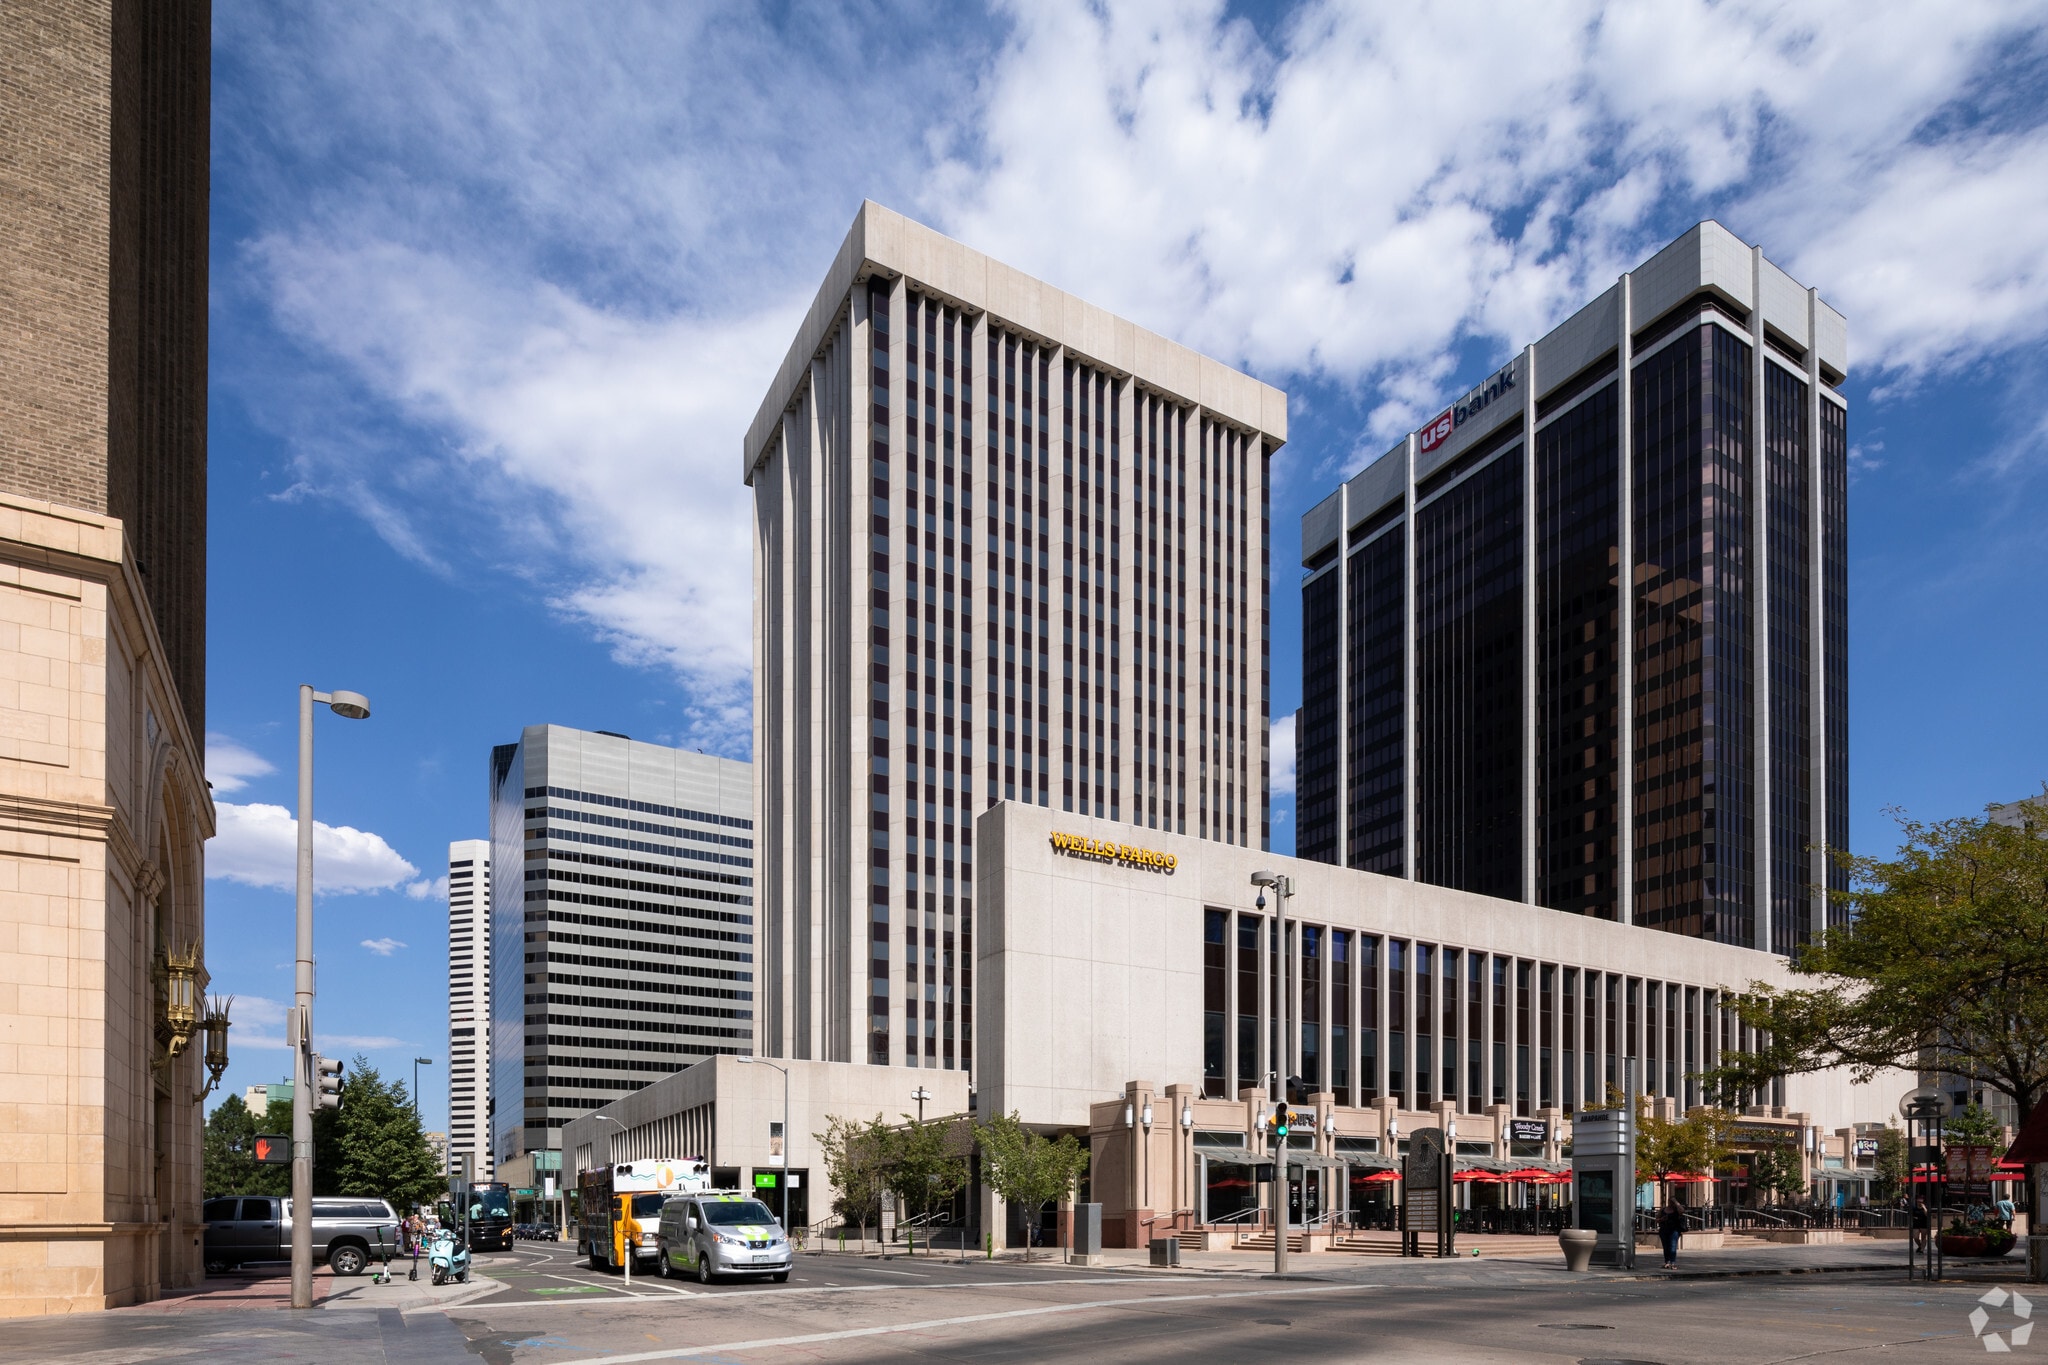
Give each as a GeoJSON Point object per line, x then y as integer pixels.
{"type": "Point", "coordinates": [1245, 1156]}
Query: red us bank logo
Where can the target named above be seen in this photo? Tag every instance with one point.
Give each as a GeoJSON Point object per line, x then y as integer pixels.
{"type": "Point", "coordinates": [1437, 432]}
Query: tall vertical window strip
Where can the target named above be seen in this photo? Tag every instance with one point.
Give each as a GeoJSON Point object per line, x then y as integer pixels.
{"type": "Point", "coordinates": [1340, 1015]}
{"type": "Point", "coordinates": [1500, 1030]}
{"type": "Point", "coordinates": [1789, 577]}
{"type": "Point", "coordinates": [1578, 529]}
{"type": "Point", "coordinates": [1249, 1071]}
{"type": "Point", "coordinates": [1368, 1018]}
{"type": "Point", "coordinates": [1215, 1000]}
{"type": "Point", "coordinates": [1449, 991]}
{"type": "Point", "coordinates": [1311, 1007]}
{"type": "Point", "coordinates": [1375, 674]}
{"type": "Point", "coordinates": [1546, 1031]}
{"type": "Point", "coordinates": [878, 660]}
{"type": "Point", "coordinates": [1318, 739]}
{"type": "Point", "coordinates": [1693, 822]}
{"type": "Point", "coordinates": [1569, 1045]}
{"type": "Point", "coordinates": [1475, 1032]}
{"type": "Point", "coordinates": [1425, 1027]}
{"type": "Point", "coordinates": [1397, 1021]}
{"type": "Point", "coordinates": [1525, 1033]}
{"type": "Point", "coordinates": [1834, 641]}
{"type": "Point", "coordinates": [1468, 606]}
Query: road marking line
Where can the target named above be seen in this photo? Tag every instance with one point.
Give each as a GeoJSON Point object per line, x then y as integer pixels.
{"type": "Point", "coordinates": [873, 1289]}
{"type": "Point", "coordinates": [929, 1324]}
{"type": "Point", "coordinates": [913, 1274]}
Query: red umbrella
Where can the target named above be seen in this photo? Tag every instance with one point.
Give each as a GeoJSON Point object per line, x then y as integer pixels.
{"type": "Point", "coordinates": [1378, 1178]}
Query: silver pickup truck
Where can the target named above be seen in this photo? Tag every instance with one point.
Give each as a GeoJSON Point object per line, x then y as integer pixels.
{"type": "Point", "coordinates": [348, 1231]}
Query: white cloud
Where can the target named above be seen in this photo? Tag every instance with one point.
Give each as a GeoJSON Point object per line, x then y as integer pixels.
{"type": "Point", "coordinates": [259, 1023]}
{"type": "Point", "coordinates": [566, 247]}
{"type": "Point", "coordinates": [382, 947]}
{"type": "Point", "coordinates": [424, 890]}
{"type": "Point", "coordinates": [257, 845]}
{"type": "Point", "coordinates": [230, 765]}
{"type": "Point", "coordinates": [1283, 755]}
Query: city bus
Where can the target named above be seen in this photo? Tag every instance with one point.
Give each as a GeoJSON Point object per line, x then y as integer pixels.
{"type": "Point", "coordinates": [490, 1216]}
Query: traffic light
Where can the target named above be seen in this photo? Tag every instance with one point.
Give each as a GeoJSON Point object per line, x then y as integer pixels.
{"type": "Point", "coordinates": [272, 1150]}
{"type": "Point", "coordinates": [1281, 1121]}
{"type": "Point", "coordinates": [327, 1094]}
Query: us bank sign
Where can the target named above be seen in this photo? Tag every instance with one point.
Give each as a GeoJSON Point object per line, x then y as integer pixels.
{"type": "Point", "coordinates": [1076, 846]}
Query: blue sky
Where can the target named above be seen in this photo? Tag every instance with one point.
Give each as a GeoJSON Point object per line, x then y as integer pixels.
{"type": "Point", "coordinates": [495, 290]}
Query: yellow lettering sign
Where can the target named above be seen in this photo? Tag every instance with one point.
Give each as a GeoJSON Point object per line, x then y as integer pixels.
{"type": "Point", "coordinates": [1080, 846]}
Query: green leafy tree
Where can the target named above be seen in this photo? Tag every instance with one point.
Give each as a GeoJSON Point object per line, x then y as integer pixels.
{"type": "Point", "coordinates": [859, 1157]}
{"type": "Point", "coordinates": [229, 1151]}
{"type": "Point", "coordinates": [1026, 1168]}
{"type": "Point", "coordinates": [1972, 1126]}
{"type": "Point", "coordinates": [230, 1160]}
{"type": "Point", "coordinates": [1942, 966]}
{"type": "Point", "coordinates": [1700, 1142]}
{"type": "Point", "coordinates": [375, 1143]}
{"type": "Point", "coordinates": [1891, 1163]}
{"type": "Point", "coordinates": [1774, 1173]}
{"type": "Point", "coordinates": [928, 1166]}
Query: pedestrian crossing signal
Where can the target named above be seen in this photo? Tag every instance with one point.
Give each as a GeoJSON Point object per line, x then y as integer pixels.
{"type": "Point", "coordinates": [272, 1150]}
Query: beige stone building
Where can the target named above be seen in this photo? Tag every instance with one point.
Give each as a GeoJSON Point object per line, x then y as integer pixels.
{"type": "Point", "coordinates": [104, 808]}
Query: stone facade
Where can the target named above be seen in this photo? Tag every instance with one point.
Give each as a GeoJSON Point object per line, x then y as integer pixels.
{"type": "Point", "coordinates": [103, 815]}
{"type": "Point", "coordinates": [103, 281]}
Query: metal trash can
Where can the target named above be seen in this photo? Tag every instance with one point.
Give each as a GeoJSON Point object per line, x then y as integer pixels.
{"type": "Point", "coordinates": [1166, 1251]}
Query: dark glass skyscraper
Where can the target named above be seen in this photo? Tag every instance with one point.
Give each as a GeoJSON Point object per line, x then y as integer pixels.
{"type": "Point", "coordinates": [1468, 683]}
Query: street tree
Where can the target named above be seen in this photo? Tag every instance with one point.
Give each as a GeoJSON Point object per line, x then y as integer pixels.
{"type": "Point", "coordinates": [1972, 1126]}
{"type": "Point", "coordinates": [859, 1157]}
{"type": "Point", "coordinates": [1774, 1173]}
{"type": "Point", "coordinates": [1891, 1164]}
{"type": "Point", "coordinates": [928, 1166]}
{"type": "Point", "coordinates": [1941, 966]}
{"type": "Point", "coordinates": [378, 1146]}
{"type": "Point", "coordinates": [229, 1149]}
{"type": "Point", "coordinates": [1026, 1168]}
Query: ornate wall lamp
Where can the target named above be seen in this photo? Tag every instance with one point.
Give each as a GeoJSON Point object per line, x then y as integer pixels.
{"type": "Point", "coordinates": [215, 1026]}
{"type": "Point", "coordinates": [181, 979]}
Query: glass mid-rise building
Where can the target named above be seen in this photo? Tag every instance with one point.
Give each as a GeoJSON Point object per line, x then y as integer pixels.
{"type": "Point", "coordinates": [622, 923]}
{"type": "Point", "coordinates": [1491, 703]}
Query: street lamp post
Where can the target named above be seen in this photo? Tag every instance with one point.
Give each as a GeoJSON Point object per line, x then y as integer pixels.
{"type": "Point", "coordinates": [349, 706]}
{"type": "Point", "coordinates": [920, 1095]}
{"type": "Point", "coordinates": [417, 1063]}
{"type": "Point", "coordinates": [1283, 889]}
{"type": "Point", "coordinates": [782, 1181]}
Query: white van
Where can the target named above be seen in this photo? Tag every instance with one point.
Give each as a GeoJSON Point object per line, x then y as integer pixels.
{"type": "Point", "coordinates": [721, 1232]}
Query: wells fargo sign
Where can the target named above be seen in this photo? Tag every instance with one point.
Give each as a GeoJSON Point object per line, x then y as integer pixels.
{"type": "Point", "coordinates": [1075, 846]}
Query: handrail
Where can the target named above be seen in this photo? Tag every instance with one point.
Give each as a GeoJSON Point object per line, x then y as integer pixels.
{"type": "Point", "coordinates": [1253, 1212]}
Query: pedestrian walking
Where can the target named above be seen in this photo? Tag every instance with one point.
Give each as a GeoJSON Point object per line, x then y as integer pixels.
{"type": "Point", "coordinates": [1920, 1224]}
{"type": "Point", "coordinates": [1671, 1227]}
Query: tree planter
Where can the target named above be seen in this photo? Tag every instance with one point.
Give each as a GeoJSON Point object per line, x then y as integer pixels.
{"type": "Point", "coordinates": [1992, 1243]}
{"type": "Point", "coordinates": [1577, 1244]}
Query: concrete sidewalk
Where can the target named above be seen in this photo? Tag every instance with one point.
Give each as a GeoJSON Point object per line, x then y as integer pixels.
{"type": "Point", "coordinates": [272, 1288]}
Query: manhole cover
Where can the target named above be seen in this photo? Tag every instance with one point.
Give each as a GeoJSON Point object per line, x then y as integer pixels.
{"type": "Point", "coordinates": [1603, 1360]}
{"type": "Point", "coordinates": [1274, 1322]}
{"type": "Point", "coordinates": [1576, 1326]}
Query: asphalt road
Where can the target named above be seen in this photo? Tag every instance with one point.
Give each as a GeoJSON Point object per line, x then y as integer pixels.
{"type": "Point", "coordinates": [538, 1272]}
{"type": "Point", "coordinates": [852, 1310]}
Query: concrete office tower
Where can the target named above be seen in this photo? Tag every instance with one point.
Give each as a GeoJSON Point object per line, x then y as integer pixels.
{"type": "Point", "coordinates": [469, 1003]}
{"type": "Point", "coordinates": [1474, 658]}
{"type": "Point", "coordinates": [622, 923]}
{"type": "Point", "coordinates": [1007, 547]}
{"type": "Point", "coordinates": [103, 275]}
